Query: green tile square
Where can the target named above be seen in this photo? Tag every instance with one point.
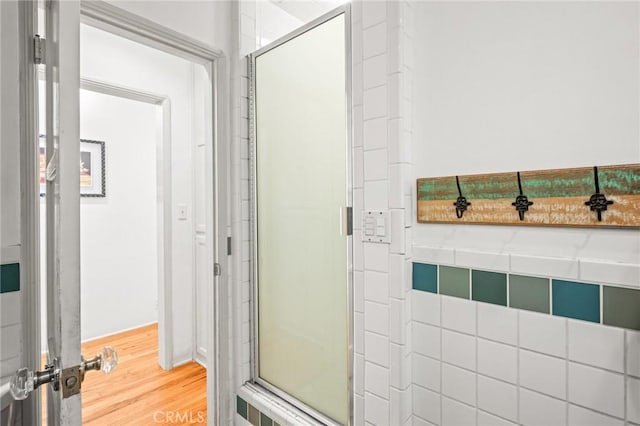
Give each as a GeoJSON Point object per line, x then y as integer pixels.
{"type": "Point", "coordinates": [254, 415]}
{"type": "Point", "coordinates": [530, 293]}
{"type": "Point", "coordinates": [454, 282]}
{"type": "Point", "coordinates": [9, 277]}
{"type": "Point", "coordinates": [241, 407]}
{"type": "Point", "coordinates": [265, 420]}
{"type": "Point", "coordinates": [621, 307]}
{"type": "Point", "coordinates": [425, 277]}
{"type": "Point", "coordinates": [490, 287]}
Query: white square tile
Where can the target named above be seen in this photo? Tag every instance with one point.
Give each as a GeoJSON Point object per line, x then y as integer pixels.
{"type": "Point", "coordinates": [426, 307]}
{"type": "Point", "coordinates": [537, 409]}
{"type": "Point", "coordinates": [376, 165]}
{"type": "Point", "coordinates": [375, 133]}
{"type": "Point", "coordinates": [426, 340]}
{"type": "Point", "coordinates": [374, 71]}
{"type": "Point", "coordinates": [358, 332]}
{"type": "Point", "coordinates": [498, 323]}
{"type": "Point", "coordinates": [398, 233]}
{"type": "Point", "coordinates": [579, 416]}
{"type": "Point", "coordinates": [417, 421]}
{"type": "Point", "coordinates": [373, 12]}
{"type": "Point", "coordinates": [482, 260]}
{"type": "Point", "coordinates": [397, 313]}
{"type": "Point", "coordinates": [376, 286]}
{"type": "Point", "coordinates": [358, 409]}
{"type": "Point", "coordinates": [374, 41]}
{"type": "Point", "coordinates": [633, 399]}
{"type": "Point", "coordinates": [543, 333]}
{"type": "Point", "coordinates": [394, 96]}
{"type": "Point", "coordinates": [375, 102]}
{"type": "Point", "coordinates": [459, 384]}
{"type": "Point", "coordinates": [596, 345]}
{"type": "Point", "coordinates": [551, 266]}
{"type": "Point", "coordinates": [457, 414]}
{"type": "Point", "coordinates": [459, 349]}
{"type": "Point", "coordinates": [358, 374]}
{"type": "Point", "coordinates": [397, 276]}
{"type": "Point", "coordinates": [358, 291]}
{"type": "Point", "coordinates": [376, 409]}
{"type": "Point", "coordinates": [498, 398]}
{"type": "Point", "coordinates": [358, 120]}
{"type": "Point", "coordinates": [610, 273]}
{"type": "Point", "coordinates": [486, 419]}
{"type": "Point", "coordinates": [376, 195]}
{"type": "Point", "coordinates": [396, 185]}
{"type": "Point", "coordinates": [376, 258]}
{"type": "Point", "coordinates": [426, 372]}
{"type": "Point", "coordinates": [10, 308]}
{"type": "Point", "coordinates": [376, 318]}
{"type": "Point", "coordinates": [376, 348]}
{"type": "Point", "coordinates": [497, 360]}
{"type": "Point", "coordinates": [433, 255]}
{"type": "Point", "coordinates": [400, 368]}
{"type": "Point", "coordinates": [633, 352]}
{"type": "Point", "coordinates": [458, 314]}
{"type": "Point", "coordinates": [426, 405]}
{"type": "Point", "coordinates": [358, 167]}
{"type": "Point", "coordinates": [598, 389]}
{"type": "Point", "coordinates": [376, 380]}
{"type": "Point", "coordinates": [543, 373]}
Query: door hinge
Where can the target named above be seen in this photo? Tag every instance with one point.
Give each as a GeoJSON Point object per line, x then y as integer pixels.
{"type": "Point", "coordinates": [39, 49]}
{"type": "Point", "coordinates": [349, 220]}
{"type": "Point", "coordinates": [228, 246]}
{"type": "Point", "coordinates": [217, 269]}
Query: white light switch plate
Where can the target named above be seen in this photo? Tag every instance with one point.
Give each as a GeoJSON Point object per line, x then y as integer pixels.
{"type": "Point", "coordinates": [375, 226]}
{"type": "Point", "coordinates": [182, 212]}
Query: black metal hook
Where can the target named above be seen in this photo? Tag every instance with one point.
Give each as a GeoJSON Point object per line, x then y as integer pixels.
{"type": "Point", "coordinates": [522, 203]}
{"type": "Point", "coordinates": [598, 202]}
{"type": "Point", "coordinates": [461, 203]}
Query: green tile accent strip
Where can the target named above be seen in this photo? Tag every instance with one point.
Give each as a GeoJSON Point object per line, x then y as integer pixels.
{"type": "Point", "coordinates": [241, 407]}
{"type": "Point", "coordinates": [9, 277]}
{"type": "Point", "coordinates": [265, 420]}
{"type": "Point", "coordinates": [576, 300]}
{"type": "Point", "coordinates": [490, 287]}
{"type": "Point", "coordinates": [425, 277]}
{"type": "Point", "coordinates": [530, 293]}
{"type": "Point", "coordinates": [254, 416]}
{"type": "Point", "coordinates": [454, 281]}
{"type": "Point", "coordinates": [621, 307]}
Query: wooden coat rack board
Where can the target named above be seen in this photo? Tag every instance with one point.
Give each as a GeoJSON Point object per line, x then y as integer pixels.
{"type": "Point", "coordinates": [607, 196]}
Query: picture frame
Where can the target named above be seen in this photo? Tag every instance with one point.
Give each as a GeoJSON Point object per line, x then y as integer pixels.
{"type": "Point", "coordinates": [92, 168]}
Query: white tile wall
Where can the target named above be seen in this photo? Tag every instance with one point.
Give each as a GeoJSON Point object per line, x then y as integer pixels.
{"type": "Point", "coordinates": [498, 397]}
{"type": "Point", "coordinates": [376, 379]}
{"type": "Point", "coordinates": [459, 349]}
{"type": "Point", "coordinates": [537, 409]}
{"type": "Point", "coordinates": [633, 351]}
{"type": "Point", "coordinates": [498, 360]}
{"type": "Point", "coordinates": [376, 410]}
{"type": "Point", "coordinates": [457, 414]}
{"type": "Point", "coordinates": [543, 333]}
{"type": "Point", "coordinates": [376, 317]}
{"type": "Point", "coordinates": [426, 404]}
{"type": "Point", "coordinates": [498, 323]}
{"type": "Point", "coordinates": [426, 308]}
{"type": "Point", "coordinates": [486, 419]}
{"type": "Point", "coordinates": [459, 384]}
{"type": "Point", "coordinates": [579, 416]}
{"type": "Point", "coordinates": [543, 373]}
{"type": "Point", "coordinates": [633, 399]}
{"type": "Point", "coordinates": [376, 346]}
{"type": "Point", "coordinates": [598, 389]}
{"type": "Point", "coordinates": [426, 372]}
{"type": "Point", "coordinates": [458, 314]}
{"type": "Point", "coordinates": [596, 345]}
{"type": "Point", "coordinates": [377, 286]}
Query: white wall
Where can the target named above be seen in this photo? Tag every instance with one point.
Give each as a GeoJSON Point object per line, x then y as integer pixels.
{"type": "Point", "coordinates": [526, 86]}
{"type": "Point", "coordinates": [119, 232]}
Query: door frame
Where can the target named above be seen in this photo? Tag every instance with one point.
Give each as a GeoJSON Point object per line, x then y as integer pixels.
{"type": "Point", "coordinates": [118, 21]}
{"type": "Point", "coordinates": [253, 314]}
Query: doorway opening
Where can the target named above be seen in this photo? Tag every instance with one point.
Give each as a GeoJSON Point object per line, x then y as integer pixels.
{"type": "Point", "coordinates": [146, 227]}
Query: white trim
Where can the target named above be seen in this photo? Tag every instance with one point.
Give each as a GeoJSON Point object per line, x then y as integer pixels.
{"type": "Point", "coordinates": [122, 91]}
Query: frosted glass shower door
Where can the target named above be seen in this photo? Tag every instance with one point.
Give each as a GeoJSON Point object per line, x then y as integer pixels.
{"type": "Point", "coordinates": [301, 172]}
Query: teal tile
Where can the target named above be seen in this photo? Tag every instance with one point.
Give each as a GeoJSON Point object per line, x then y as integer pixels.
{"type": "Point", "coordinates": [9, 277]}
{"type": "Point", "coordinates": [454, 282]}
{"type": "Point", "coordinates": [576, 300]}
{"type": "Point", "coordinates": [621, 307]}
{"type": "Point", "coordinates": [530, 293]}
{"type": "Point", "coordinates": [425, 277]}
{"type": "Point", "coordinates": [265, 420]}
{"type": "Point", "coordinates": [490, 287]}
{"type": "Point", "coordinates": [241, 407]}
{"type": "Point", "coordinates": [253, 415]}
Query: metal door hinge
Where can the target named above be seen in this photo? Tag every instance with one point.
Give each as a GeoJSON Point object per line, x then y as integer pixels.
{"type": "Point", "coordinates": [228, 246]}
{"type": "Point", "coordinates": [217, 270]}
{"type": "Point", "coordinates": [349, 220]}
{"type": "Point", "coordinates": [39, 49]}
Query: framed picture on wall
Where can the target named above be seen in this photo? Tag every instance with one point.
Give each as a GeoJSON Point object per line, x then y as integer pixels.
{"type": "Point", "coordinates": [92, 168]}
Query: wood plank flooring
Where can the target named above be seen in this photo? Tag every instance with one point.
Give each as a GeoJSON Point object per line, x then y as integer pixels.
{"type": "Point", "coordinates": [138, 391]}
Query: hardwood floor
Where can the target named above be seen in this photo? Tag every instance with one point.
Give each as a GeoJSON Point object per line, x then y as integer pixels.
{"type": "Point", "coordinates": [138, 391]}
